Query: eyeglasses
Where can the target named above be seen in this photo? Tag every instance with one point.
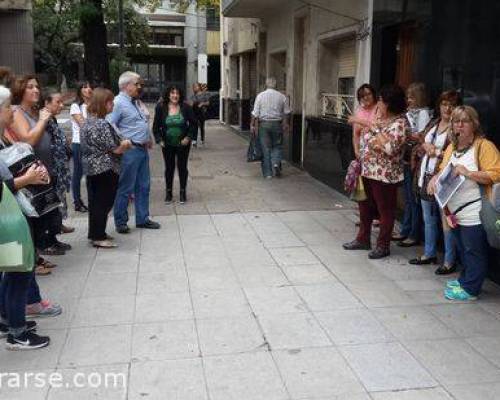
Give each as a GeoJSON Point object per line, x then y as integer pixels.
{"type": "Point", "coordinates": [462, 121]}
{"type": "Point", "coordinates": [138, 84]}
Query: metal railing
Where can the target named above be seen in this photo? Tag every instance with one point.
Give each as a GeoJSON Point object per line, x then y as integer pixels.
{"type": "Point", "coordinates": [337, 105]}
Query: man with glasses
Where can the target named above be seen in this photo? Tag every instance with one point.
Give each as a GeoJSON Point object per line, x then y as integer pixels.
{"type": "Point", "coordinates": [132, 123]}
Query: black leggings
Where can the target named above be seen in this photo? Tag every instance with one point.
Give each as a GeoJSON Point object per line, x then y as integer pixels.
{"type": "Point", "coordinates": [102, 192]}
{"type": "Point", "coordinates": [201, 124]}
{"type": "Point", "coordinates": [170, 153]}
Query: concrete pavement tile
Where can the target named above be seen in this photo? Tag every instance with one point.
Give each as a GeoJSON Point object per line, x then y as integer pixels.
{"type": "Point", "coordinates": [177, 379]}
{"type": "Point", "coordinates": [467, 319]}
{"type": "Point", "coordinates": [412, 323]}
{"type": "Point", "coordinates": [247, 376]}
{"type": "Point", "coordinates": [312, 274]}
{"type": "Point", "coordinates": [420, 284]}
{"type": "Point", "coordinates": [293, 256]}
{"type": "Point", "coordinates": [230, 335]}
{"type": "Point", "coordinates": [274, 300]}
{"type": "Point", "coordinates": [149, 263]}
{"type": "Point", "coordinates": [483, 391]}
{"type": "Point", "coordinates": [212, 279]}
{"type": "Point", "coordinates": [429, 297]}
{"type": "Point", "coordinates": [97, 345]}
{"type": "Point", "coordinates": [39, 360]}
{"type": "Point", "coordinates": [260, 276]}
{"type": "Point", "coordinates": [163, 307]}
{"type": "Point", "coordinates": [398, 270]}
{"type": "Point", "coordinates": [61, 284]}
{"type": "Point", "coordinates": [321, 238]}
{"type": "Point", "coordinates": [317, 373]}
{"type": "Point", "coordinates": [386, 367]}
{"type": "Point", "coordinates": [220, 303]}
{"type": "Point", "coordinates": [164, 341]}
{"type": "Point", "coordinates": [207, 261]}
{"type": "Point", "coordinates": [115, 262]}
{"type": "Point", "coordinates": [380, 294]}
{"type": "Point", "coordinates": [328, 297]}
{"type": "Point", "coordinates": [98, 311]}
{"type": "Point", "coordinates": [353, 327]}
{"type": "Point", "coordinates": [292, 331]}
{"type": "Point", "coordinates": [103, 382]}
{"type": "Point", "coordinates": [159, 282]}
{"type": "Point", "coordinates": [421, 394]}
{"type": "Point", "coordinates": [488, 347]}
{"type": "Point", "coordinates": [110, 285]}
{"type": "Point", "coordinates": [279, 240]}
{"type": "Point", "coordinates": [454, 361]}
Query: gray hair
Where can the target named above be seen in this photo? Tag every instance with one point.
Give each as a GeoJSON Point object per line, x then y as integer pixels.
{"type": "Point", "coordinates": [4, 95]}
{"type": "Point", "coordinates": [271, 83]}
{"type": "Point", "coordinates": [126, 78]}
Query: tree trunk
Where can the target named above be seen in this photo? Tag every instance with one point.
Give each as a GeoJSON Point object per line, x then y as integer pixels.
{"type": "Point", "coordinates": [96, 63]}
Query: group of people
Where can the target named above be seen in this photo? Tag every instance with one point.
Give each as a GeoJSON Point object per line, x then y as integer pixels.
{"type": "Point", "coordinates": [110, 144]}
{"type": "Point", "coordinates": [398, 141]}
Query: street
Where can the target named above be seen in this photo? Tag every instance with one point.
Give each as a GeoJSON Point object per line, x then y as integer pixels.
{"type": "Point", "coordinates": [246, 294]}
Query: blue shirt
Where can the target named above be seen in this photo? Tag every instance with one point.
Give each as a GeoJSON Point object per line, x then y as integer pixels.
{"type": "Point", "coordinates": [129, 119]}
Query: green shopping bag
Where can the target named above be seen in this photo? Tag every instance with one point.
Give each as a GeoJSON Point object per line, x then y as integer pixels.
{"type": "Point", "coordinates": [16, 246]}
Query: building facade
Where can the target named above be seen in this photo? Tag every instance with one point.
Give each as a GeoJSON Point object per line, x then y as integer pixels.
{"type": "Point", "coordinates": [319, 53]}
{"type": "Point", "coordinates": [16, 36]}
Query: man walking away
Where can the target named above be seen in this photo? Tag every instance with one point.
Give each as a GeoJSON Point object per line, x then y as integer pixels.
{"type": "Point", "coordinates": [269, 121]}
{"type": "Point", "coordinates": [132, 123]}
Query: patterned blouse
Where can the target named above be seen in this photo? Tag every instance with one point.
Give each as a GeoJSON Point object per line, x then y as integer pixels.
{"type": "Point", "coordinates": [385, 163]}
{"type": "Point", "coordinates": [98, 139]}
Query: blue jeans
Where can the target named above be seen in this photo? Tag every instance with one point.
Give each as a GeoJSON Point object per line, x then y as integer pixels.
{"type": "Point", "coordinates": [14, 288]}
{"type": "Point", "coordinates": [473, 247]}
{"type": "Point", "coordinates": [77, 172]}
{"type": "Point", "coordinates": [432, 225]}
{"type": "Point", "coordinates": [134, 179]}
{"type": "Point", "coordinates": [271, 140]}
{"type": "Point", "coordinates": [410, 227]}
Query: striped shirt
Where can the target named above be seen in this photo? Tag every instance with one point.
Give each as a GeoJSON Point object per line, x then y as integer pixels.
{"type": "Point", "coordinates": [270, 105]}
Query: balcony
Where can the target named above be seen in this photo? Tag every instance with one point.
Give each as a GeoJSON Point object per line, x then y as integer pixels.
{"type": "Point", "coordinates": [251, 8]}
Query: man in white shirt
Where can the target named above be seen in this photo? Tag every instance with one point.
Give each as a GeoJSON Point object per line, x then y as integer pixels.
{"type": "Point", "coordinates": [269, 120]}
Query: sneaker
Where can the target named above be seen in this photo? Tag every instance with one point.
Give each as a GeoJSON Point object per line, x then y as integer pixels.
{"type": "Point", "coordinates": [4, 328]}
{"type": "Point", "coordinates": [67, 229]}
{"type": "Point", "coordinates": [459, 294]}
{"type": "Point", "coordinates": [104, 244]}
{"type": "Point", "coordinates": [195, 143]}
{"type": "Point", "coordinates": [27, 341]}
{"type": "Point", "coordinates": [43, 309]}
{"type": "Point", "coordinates": [453, 283]}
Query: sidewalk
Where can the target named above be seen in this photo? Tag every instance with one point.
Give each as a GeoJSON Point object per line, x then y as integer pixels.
{"type": "Point", "coordinates": [246, 294]}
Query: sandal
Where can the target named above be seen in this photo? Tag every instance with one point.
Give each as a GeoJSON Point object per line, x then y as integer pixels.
{"type": "Point", "coordinates": [42, 271]}
{"type": "Point", "coordinates": [104, 244]}
{"type": "Point", "coordinates": [45, 263]}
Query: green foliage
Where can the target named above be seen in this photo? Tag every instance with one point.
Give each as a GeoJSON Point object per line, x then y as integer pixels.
{"type": "Point", "coordinates": [183, 5]}
{"type": "Point", "coordinates": [119, 64]}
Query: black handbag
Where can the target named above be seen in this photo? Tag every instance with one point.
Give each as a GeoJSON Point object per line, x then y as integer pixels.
{"type": "Point", "coordinates": [254, 152]}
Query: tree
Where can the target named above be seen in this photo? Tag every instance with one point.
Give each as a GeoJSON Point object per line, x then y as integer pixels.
{"type": "Point", "coordinates": [56, 28]}
{"type": "Point", "coordinates": [94, 38]}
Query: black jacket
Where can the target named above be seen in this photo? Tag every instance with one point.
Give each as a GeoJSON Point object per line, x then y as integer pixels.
{"type": "Point", "coordinates": [190, 127]}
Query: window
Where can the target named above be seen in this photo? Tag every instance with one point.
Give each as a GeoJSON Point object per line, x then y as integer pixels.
{"type": "Point", "coordinates": [168, 36]}
{"type": "Point", "coordinates": [346, 85]}
{"type": "Point", "coordinates": [213, 19]}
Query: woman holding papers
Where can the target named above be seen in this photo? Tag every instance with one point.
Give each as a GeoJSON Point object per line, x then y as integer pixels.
{"type": "Point", "coordinates": [478, 161]}
{"type": "Point", "coordinates": [435, 142]}
{"type": "Point", "coordinates": [382, 171]}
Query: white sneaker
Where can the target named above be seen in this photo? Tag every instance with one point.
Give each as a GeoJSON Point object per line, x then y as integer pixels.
{"type": "Point", "coordinates": [194, 143]}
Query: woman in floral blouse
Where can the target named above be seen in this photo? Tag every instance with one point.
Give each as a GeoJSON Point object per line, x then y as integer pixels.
{"type": "Point", "coordinates": [382, 171]}
{"type": "Point", "coordinates": [101, 150]}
